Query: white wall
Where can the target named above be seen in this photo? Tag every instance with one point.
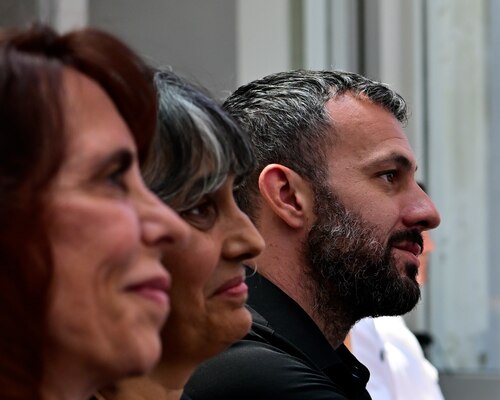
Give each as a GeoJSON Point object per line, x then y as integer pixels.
{"type": "Point", "coordinates": [196, 38]}
{"type": "Point", "coordinates": [458, 143]}
{"type": "Point", "coordinates": [263, 38]}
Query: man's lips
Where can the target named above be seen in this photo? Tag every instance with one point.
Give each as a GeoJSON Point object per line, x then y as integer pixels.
{"type": "Point", "coordinates": [410, 247]}
{"type": "Point", "coordinates": [154, 289]}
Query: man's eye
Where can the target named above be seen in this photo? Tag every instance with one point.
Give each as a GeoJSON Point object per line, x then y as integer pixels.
{"type": "Point", "coordinates": [201, 216]}
{"type": "Point", "coordinates": [389, 176]}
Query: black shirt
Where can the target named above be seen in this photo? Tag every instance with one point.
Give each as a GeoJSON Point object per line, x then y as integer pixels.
{"type": "Point", "coordinates": [285, 356]}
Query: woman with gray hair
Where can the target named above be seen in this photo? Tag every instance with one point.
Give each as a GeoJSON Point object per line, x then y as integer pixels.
{"type": "Point", "coordinates": [198, 158]}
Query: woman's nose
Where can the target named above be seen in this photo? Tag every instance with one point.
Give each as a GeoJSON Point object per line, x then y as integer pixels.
{"type": "Point", "coordinates": [245, 241]}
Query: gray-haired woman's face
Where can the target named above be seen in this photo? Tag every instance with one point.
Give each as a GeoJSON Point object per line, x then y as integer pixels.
{"type": "Point", "coordinates": [209, 291]}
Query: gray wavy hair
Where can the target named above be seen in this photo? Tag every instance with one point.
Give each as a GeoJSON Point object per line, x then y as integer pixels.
{"type": "Point", "coordinates": [196, 147]}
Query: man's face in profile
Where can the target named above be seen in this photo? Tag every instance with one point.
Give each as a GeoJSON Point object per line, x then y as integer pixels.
{"type": "Point", "coordinates": [365, 243]}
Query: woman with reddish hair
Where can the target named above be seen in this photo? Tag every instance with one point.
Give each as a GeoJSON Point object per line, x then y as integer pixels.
{"type": "Point", "coordinates": [83, 293]}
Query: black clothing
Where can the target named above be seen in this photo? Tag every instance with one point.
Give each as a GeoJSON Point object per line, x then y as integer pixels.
{"type": "Point", "coordinates": [284, 357]}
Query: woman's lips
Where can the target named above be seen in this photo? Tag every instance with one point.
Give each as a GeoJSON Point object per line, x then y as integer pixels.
{"type": "Point", "coordinates": [233, 287]}
{"type": "Point", "coordinates": [154, 289]}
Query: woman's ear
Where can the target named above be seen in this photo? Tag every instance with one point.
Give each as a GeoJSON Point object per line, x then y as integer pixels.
{"type": "Point", "coordinates": [287, 194]}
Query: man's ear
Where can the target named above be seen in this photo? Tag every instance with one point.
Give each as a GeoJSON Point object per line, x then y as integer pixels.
{"type": "Point", "coordinates": [287, 194]}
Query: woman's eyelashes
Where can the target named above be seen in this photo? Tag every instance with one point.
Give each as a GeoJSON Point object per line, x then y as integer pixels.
{"type": "Point", "coordinates": [202, 215]}
{"type": "Point", "coordinates": [117, 179]}
{"type": "Point", "coordinates": [118, 169]}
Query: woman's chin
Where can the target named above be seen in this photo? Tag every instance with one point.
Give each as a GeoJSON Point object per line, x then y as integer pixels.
{"type": "Point", "coordinates": [144, 359]}
{"type": "Point", "coordinates": [239, 325]}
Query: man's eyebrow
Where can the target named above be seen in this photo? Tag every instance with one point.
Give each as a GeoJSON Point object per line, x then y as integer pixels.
{"type": "Point", "coordinates": [400, 160]}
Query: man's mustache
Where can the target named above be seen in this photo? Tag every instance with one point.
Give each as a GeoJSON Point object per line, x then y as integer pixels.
{"type": "Point", "coordinates": [409, 235]}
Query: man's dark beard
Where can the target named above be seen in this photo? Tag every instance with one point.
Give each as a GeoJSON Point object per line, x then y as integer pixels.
{"type": "Point", "coordinates": [354, 274]}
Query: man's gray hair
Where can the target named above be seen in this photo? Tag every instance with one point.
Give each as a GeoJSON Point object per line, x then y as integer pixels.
{"type": "Point", "coordinates": [285, 116]}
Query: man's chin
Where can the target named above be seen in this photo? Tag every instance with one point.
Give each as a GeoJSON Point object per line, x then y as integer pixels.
{"type": "Point", "coordinates": [398, 299]}
{"type": "Point", "coordinates": [404, 304]}
{"type": "Point", "coordinates": [411, 271]}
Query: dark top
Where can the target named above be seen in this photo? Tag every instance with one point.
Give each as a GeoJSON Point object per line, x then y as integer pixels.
{"type": "Point", "coordinates": [285, 356]}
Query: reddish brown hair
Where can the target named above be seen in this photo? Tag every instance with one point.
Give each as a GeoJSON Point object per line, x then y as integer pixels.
{"type": "Point", "coordinates": [31, 152]}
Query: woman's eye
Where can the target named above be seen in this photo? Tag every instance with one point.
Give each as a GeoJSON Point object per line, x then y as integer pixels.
{"type": "Point", "coordinates": [202, 216]}
{"type": "Point", "coordinates": [117, 179]}
{"type": "Point", "coordinates": [116, 172]}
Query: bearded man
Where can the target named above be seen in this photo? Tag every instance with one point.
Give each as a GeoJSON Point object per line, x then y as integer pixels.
{"type": "Point", "coordinates": [335, 197]}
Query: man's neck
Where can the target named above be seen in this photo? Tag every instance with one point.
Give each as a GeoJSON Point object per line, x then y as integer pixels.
{"type": "Point", "coordinates": [299, 286]}
{"type": "Point", "coordinates": [335, 326]}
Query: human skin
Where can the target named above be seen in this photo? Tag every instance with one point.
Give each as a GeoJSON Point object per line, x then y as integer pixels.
{"type": "Point", "coordinates": [109, 294]}
{"type": "Point", "coordinates": [208, 295]}
{"type": "Point", "coordinates": [372, 169]}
